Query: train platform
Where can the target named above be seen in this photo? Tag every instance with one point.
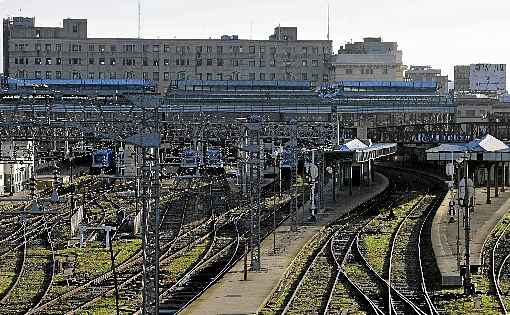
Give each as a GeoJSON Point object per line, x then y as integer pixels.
{"type": "Point", "coordinates": [233, 295]}
{"type": "Point", "coordinates": [444, 233]}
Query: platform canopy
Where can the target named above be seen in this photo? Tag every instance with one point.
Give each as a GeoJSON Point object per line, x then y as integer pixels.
{"type": "Point", "coordinates": [358, 151]}
{"type": "Point", "coordinates": [488, 148]}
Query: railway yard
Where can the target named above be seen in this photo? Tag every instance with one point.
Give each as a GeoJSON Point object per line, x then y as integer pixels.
{"type": "Point", "coordinates": [375, 259]}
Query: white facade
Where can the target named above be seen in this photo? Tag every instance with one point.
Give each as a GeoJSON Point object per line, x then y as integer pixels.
{"type": "Point", "coordinates": [486, 77]}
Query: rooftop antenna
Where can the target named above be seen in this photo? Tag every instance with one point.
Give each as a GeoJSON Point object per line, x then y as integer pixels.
{"type": "Point", "coordinates": [139, 19]}
{"type": "Point", "coordinates": [328, 20]}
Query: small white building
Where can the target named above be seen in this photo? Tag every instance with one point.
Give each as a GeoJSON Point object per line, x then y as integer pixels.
{"type": "Point", "coordinates": [16, 166]}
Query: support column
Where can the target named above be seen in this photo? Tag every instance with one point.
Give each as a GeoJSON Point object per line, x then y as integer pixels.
{"type": "Point", "coordinates": [334, 183]}
{"type": "Point", "coordinates": [370, 179]}
{"type": "Point", "coordinates": [488, 184]}
{"type": "Point", "coordinates": [496, 179]}
{"type": "Point", "coordinates": [350, 180]}
{"type": "Point", "coordinates": [503, 177]}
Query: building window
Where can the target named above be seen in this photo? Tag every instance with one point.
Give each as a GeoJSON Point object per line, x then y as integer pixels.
{"type": "Point", "coordinates": [91, 75]}
{"type": "Point", "coordinates": [75, 28]}
{"type": "Point", "coordinates": [325, 78]}
{"type": "Point", "coordinates": [272, 63]}
{"type": "Point", "coordinates": [166, 76]}
{"type": "Point", "coordinates": [145, 76]}
{"type": "Point", "coordinates": [58, 47]}
{"type": "Point", "coordinates": [219, 76]}
{"type": "Point", "coordinates": [76, 48]}
{"type": "Point", "coordinates": [262, 63]}
{"type": "Point", "coordinates": [272, 50]}
{"type": "Point", "coordinates": [38, 74]}
{"type": "Point", "coordinates": [155, 48]}
{"type": "Point", "coordinates": [177, 62]}
{"type": "Point", "coordinates": [198, 49]}
{"type": "Point", "coordinates": [219, 50]}
{"type": "Point", "coordinates": [315, 63]}
{"type": "Point", "coordinates": [304, 63]}
{"type": "Point", "coordinates": [262, 49]}
{"type": "Point", "coordinates": [76, 76]}
{"type": "Point", "coordinates": [315, 50]}
{"type": "Point", "coordinates": [235, 62]}
{"type": "Point", "coordinates": [113, 75]}
{"type": "Point", "coordinates": [262, 76]}
{"type": "Point", "coordinates": [37, 61]}
{"type": "Point", "coordinates": [155, 76]}
{"type": "Point", "coordinates": [113, 48]}
{"type": "Point", "coordinates": [145, 62]}
{"type": "Point", "coordinates": [304, 76]}
{"type": "Point", "coordinates": [166, 62]}
{"type": "Point", "coordinates": [209, 76]}
{"type": "Point", "coordinates": [91, 61]}
{"type": "Point", "coordinates": [220, 62]}
{"type": "Point", "coordinates": [199, 62]}
{"type": "Point", "coordinates": [348, 71]}
{"type": "Point", "coordinates": [129, 48]}
{"type": "Point", "coordinates": [48, 75]}
{"type": "Point", "coordinates": [155, 62]}
{"type": "Point", "coordinates": [76, 61]}
{"type": "Point", "coordinates": [200, 76]}
{"type": "Point", "coordinates": [273, 76]}
{"type": "Point", "coordinates": [58, 75]}
{"type": "Point", "coordinates": [304, 50]}
{"type": "Point", "coordinates": [251, 63]}
{"type": "Point", "coordinates": [181, 76]}
{"type": "Point", "coordinates": [91, 47]}
{"type": "Point", "coordinates": [209, 49]}
{"type": "Point", "coordinates": [209, 62]}
{"type": "Point", "coordinates": [182, 62]}
{"type": "Point", "coordinates": [252, 49]}
{"type": "Point", "coordinates": [37, 33]}
{"type": "Point", "coordinates": [58, 61]}
{"type": "Point", "coordinates": [166, 48]}
{"type": "Point", "coordinates": [48, 61]}
{"type": "Point", "coordinates": [15, 61]}
{"type": "Point", "coordinates": [251, 76]}
{"type": "Point", "coordinates": [38, 47]}
{"type": "Point", "coordinates": [385, 70]}
{"type": "Point", "coordinates": [101, 48]}
{"type": "Point", "coordinates": [315, 77]}
{"type": "Point", "coordinates": [101, 61]}
{"type": "Point", "coordinates": [113, 62]}
{"type": "Point", "coordinates": [47, 47]}
{"type": "Point", "coordinates": [101, 75]}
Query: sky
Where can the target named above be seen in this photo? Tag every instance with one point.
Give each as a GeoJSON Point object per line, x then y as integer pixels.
{"type": "Point", "coordinates": [440, 33]}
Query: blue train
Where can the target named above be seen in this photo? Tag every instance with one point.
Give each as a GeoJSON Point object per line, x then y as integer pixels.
{"type": "Point", "coordinates": [103, 159]}
{"type": "Point", "coordinates": [287, 159]}
{"type": "Point", "coordinates": [214, 158]}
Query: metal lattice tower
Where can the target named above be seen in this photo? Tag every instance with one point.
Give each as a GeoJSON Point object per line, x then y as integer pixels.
{"type": "Point", "coordinates": [254, 187]}
{"type": "Point", "coordinates": [294, 147]}
{"type": "Point", "coordinates": [149, 141]}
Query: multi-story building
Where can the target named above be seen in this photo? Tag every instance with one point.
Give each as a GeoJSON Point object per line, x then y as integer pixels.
{"type": "Point", "coordinates": [67, 52]}
{"type": "Point", "coordinates": [370, 60]}
{"type": "Point", "coordinates": [427, 73]}
{"type": "Point", "coordinates": [17, 166]}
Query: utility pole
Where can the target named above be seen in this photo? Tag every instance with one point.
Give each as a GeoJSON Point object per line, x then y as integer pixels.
{"type": "Point", "coordinates": [466, 191]}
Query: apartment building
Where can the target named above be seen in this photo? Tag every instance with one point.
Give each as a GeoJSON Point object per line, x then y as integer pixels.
{"type": "Point", "coordinates": [33, 52]}
{"type": "Point", "coordinates": [369, 60]}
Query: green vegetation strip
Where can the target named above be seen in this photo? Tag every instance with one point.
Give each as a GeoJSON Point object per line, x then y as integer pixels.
{"type": "Point", "coordinates": [377, 237]}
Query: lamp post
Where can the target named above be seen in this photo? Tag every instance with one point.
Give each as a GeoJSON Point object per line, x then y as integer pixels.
{"type": "Point", "coordinates": [466, 194]}
{"type": "Point", "coordinates": [276, 158]}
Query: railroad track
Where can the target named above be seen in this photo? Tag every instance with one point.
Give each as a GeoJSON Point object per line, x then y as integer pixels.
{"type": "Point", "coordinates": [500, 256]}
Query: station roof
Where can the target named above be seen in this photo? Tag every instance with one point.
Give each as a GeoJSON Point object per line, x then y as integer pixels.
{"type": "Point", "coordinates": [358, 151]}
{"type": "Point", "coordinates": [487, 148]}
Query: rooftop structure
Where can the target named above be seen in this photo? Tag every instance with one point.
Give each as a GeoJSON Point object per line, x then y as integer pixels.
{"type": "Point", "coordinates": [427, 73]}
{"type": "Point", "coordinates": [34, 52]}
{"type": "Point", "coordinates": [371, 59]}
